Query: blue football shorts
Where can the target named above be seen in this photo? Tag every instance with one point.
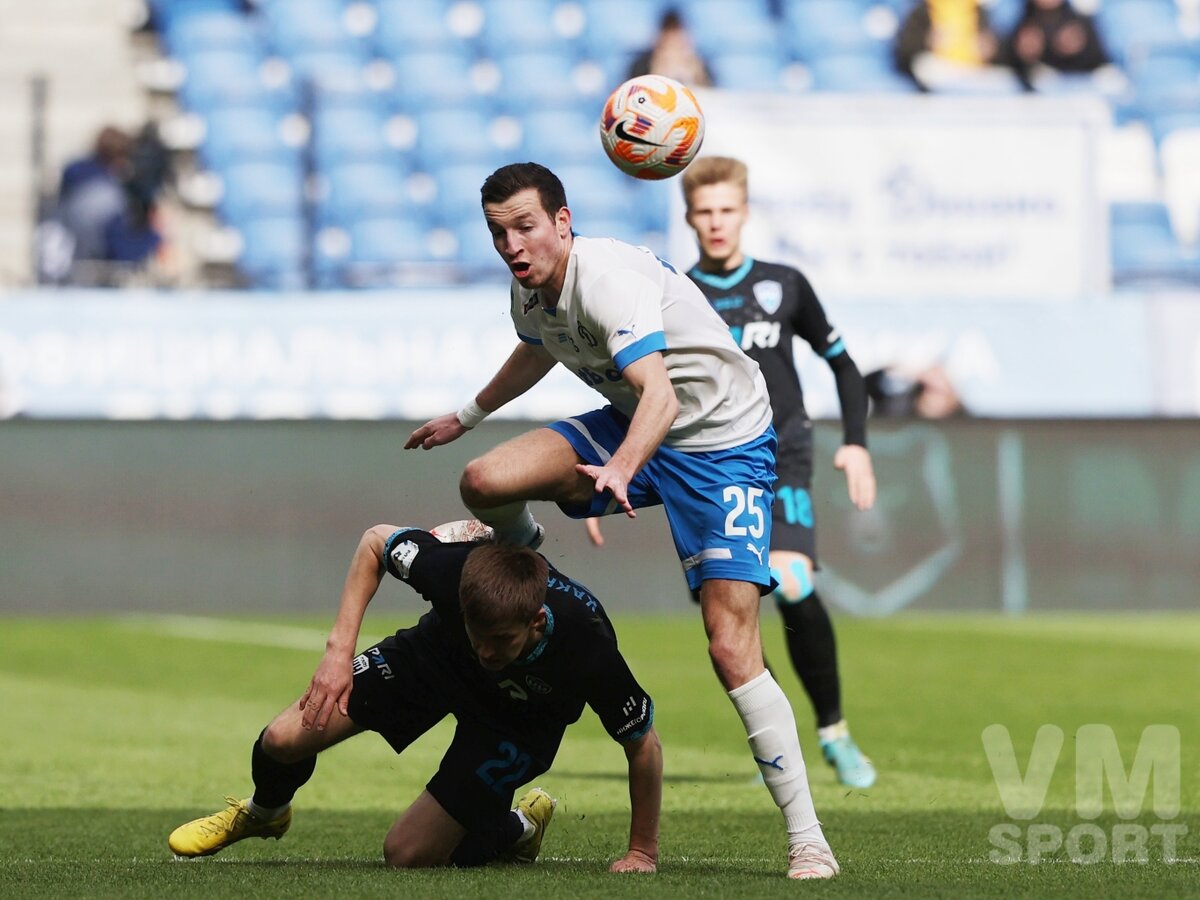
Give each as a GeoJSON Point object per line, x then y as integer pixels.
{"type": "Point", "coordinates": [718, 502]}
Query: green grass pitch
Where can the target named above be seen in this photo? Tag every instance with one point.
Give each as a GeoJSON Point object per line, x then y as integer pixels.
{"type": "Point", "coordinates": [116, 730]}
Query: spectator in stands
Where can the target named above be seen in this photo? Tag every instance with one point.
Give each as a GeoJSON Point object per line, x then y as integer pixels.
{"type": "Point", "coordinates": [1052, 33]}
{"type": "Point", "coordinates": [106, 204]}
{"type": "Point", "coordinates": [926, 394]}
{"type": "Point", "coordinates": [673, 55]}
{"type": "Point", "coordinates": [950, 44]}
{"type": "Point", "coordinates": [92, 193]}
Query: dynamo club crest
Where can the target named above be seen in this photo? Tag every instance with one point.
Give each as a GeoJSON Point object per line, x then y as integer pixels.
{"type": "Point", "coordinates": [769, 295]}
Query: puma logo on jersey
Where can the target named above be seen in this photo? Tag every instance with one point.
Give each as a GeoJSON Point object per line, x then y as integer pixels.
{"type": "Point", "coordinates": [756, 551]}
{"type": "Point", "coordinates": [763, 335]}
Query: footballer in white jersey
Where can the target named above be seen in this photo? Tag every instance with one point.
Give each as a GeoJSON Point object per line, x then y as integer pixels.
{"type": "Point", "coordinates": [619, 303]}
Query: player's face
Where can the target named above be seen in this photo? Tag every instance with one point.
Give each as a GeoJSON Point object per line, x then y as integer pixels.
{"type": "Point", "coordinates": [534, 244]}
{"type": "Point", "coordinates": [502, 645]}
{"type": "Point", "coordinates": [717, 214]}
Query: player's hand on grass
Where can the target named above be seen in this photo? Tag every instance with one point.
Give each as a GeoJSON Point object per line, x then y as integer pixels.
{"type": "Point", "coordinates": [436, 432]}
{"type": "Point", "coordinates": [612, 480]}
{"type": "Point", "coordinates": [328, 690]}
{"type": "Point", "coordinates": [593, 529]}
{"type": "Point", "coordinates": [855, 461]}
{"type": "Point", "coordinates": [634, 861]}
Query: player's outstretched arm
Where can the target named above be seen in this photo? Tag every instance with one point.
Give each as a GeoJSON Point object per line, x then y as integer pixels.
{"type": "Point", "coordinates": [656, 410]}
{"type": "Point", "coordinates": [855, 461]}
{"type": "Point", "coordinates": [645, 799]}
{"type": "Point", "coordinates": [329, 688]}
{"type": "Point", "coordinates": [526, 366]}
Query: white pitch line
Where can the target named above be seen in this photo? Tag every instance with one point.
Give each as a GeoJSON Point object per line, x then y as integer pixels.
{"type": "Point", "coordinates": [230, 631]}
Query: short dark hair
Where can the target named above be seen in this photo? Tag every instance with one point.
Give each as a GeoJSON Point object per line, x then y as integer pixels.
{"type": "Point", "coordinates": [502, 585]}
{"type": "Point", "coordinates": [509, 180]}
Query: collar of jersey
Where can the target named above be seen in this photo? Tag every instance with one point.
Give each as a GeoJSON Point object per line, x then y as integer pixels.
{"type": "Point", "coordinates": [541, 645]}
{"type": "Point", "coordinates": [723, 282]}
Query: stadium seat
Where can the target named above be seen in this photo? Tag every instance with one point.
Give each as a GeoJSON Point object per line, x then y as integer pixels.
{"type": "Point", "coordinates": [349, 133]}
{"type": "Point", "coordinates": [387, 240]}
{"type": "Point", "coordinates": [458, 200]}
{"type": "Point", "coordinates": [337, 70]}
{"type": "Point", "coordinates": [273, 252]}
{"type": "Point", "coordinates": [363, 188]}
{"type": "Point", "coordinates": [597, 191]}
{"type": "Point", "coordinates": [718, 26]}
{"type": "Point", "coordinates": [759, 71]}
{"type": "Point", "coordinates": [305, 26]}
{"type": "Point", "coordinates": [476, 251]}
{"type": "Point", "coordinates": [857, 73]}
{"type": "Point", "coordinates": [430, 79]}
{"type": "Point", "coordinates": [257, 189]}
{"type": "Point", "coordinates": [243, 134]}
{"type": "Point", "coordinates": [447, 136]}
{"type": "Point", "coordinates": [210, 30]}
{"type": "Point", "coordinates": [555, 137]}
{"type": "Point", "coordinates": [1144, 246]}
{"type": "Point", "coordinates": [818, 27]}
{"type": "Point", "coordinates": [1125, 26]}
{"type": "Point", "coordinates": [513, 26]}
{"type": "Point", "coordinates": [414, 26]}
{"type": "Point", "coordinates": [620, 28]}
{"type": "Point", "coordinates": [220, 77]}
{"type": "Point", "coordinates": [1180, 154]}
{"type": "Point", "coordinates": [531, 81]}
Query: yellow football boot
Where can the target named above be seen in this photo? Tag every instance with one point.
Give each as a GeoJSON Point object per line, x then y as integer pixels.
{"type": "Point", "coordinates": [212, 834]}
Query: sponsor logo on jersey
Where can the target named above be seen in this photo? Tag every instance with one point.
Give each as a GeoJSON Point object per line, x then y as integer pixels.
{"type": "Point", "coordinates": [769, 295]}
{"type": "Point", "coordinates": [756, 551]}
{"type": "Point", "coordinates": [763, 335]}
{"type": "Point", "coordinates": [529, 304]}
{"type": "Point", "coordinates": [403, 556]}
{"type": "Point", "coordinates": [359, 665]}
{"type": "Point", "coordinates": [629, 707]}
{"type": "Point", "coordinates": [536, 685]}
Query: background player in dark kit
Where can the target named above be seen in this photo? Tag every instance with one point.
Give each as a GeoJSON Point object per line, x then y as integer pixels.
{"type": "Point", "coordinates": [765, 305]}
{"type": "Point", "coordinates": [512, 648]}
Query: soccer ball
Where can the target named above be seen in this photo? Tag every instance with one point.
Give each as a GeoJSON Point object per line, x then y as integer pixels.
{"type": "Point", "coordinates": [651, 127]}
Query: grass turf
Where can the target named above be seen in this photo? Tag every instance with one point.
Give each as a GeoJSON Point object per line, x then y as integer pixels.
{"type": "Point", "coordinates": [116, 730]}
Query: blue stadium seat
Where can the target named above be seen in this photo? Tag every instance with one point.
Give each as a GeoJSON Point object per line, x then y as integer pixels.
{"type": "Point", "coordinates": [208, 30]}
{"type": "Point", "coordinates": [363, 189]}
{"type": "Point", "coordinates": [305, 26]}
{"type": "Point", "coordinates": [458, 199]}
{"type": "Point", "coordinates": [1144, 246]}
{"type": "Point", "coordinates": [164, 13]}
{"type": "Point", "coordinates": [622, 228]}
{"type": "Point", "coordinates": [216, 77]}
{"type": "Point", "coordinates": [256, 189]}
{"type": "Point", "coordinates": [620, 28]}
{"type": "Point", "coordinates": [555, 137]}
{"type": "Point", "coordinates": [820, 27]}
{"type": "Point", "coordinates": [513, 26]}
{"type": "Point", "coordinates": [758, 71]}
{"type": "Point", "coordinates": [718, 26]}
{"type": "Point", "coordinates": [1125, 26]}
{"type": "Point", "coordinates": [273, 252]}
{"type": "Point", "coordinates": [597, 191]}
{"type": "Point", "coordinates": [476, 251]}
{"type": "Point", "coordinates": [388, 240]}
{"type": "Point", "coordinates": [858, 73]}
{"type": "Point", "coordinates": [329, 70]}
{"type": "Point", "coordinates": [530, 81]}
{"type": "Point", "coordinates": [1164, 73]}
{"type": "Point", "coordinates": [429, 79]}
{"type": "Point", "coordinates": [446, 136]}
{"type": "Point", "coordinates": [348, 133]}
{"type": "Point", "coordinates": [413, 26]}
{"type": "Point", "coordinates": [243, 134]}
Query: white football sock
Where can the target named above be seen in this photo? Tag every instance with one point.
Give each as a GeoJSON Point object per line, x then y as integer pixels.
{"type": "Point", "coordinates": [266, 813]}
{"type": "Point", "coordinates": [838, 729]}
{"type": "Point", "coordinates": [771, 728]}
{"type": "Point", "coordinates": [512, 522]}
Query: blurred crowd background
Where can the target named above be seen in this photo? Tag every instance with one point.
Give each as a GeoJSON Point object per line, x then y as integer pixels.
{"type": "Point", "coordinates": [340, 143]}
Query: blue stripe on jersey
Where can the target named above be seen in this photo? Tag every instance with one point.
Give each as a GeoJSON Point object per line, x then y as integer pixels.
{"type": "Point", "coordinates": [651, 343]}
{"type": "Point", "coordinates": [529, 340]}
{"type": "Point", "coordinates": [839, 346]}
{"type": "Point", "coordinates": [541, 646]}
{"type": "Point", "coordinates": [391, 541]}
{"type": "Point", "coordinates": [723, 282]}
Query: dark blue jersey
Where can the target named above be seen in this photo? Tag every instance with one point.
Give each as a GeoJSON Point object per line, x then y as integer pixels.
{"type": "Point", "coordinates": [577, 661]}
{"type": "Point", "coordinates": [766, 305]}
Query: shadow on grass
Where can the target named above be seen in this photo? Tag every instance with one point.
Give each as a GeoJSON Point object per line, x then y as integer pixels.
{"type": "Point", "coordinates": [728, 854]}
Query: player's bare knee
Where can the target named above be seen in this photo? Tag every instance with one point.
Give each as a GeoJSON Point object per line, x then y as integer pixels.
{"type": "Point", "coordinates": [476, 487]}
{"type": "Point", "coordinates": [280, 744]}
{"type": "Point", "coordinates": [731, 660]}
{"type": "Point", "coordinates": [402, 853]}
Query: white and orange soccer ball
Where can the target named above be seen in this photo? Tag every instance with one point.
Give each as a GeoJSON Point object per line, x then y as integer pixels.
{"type": "Point", "coordinates": [651, 127]}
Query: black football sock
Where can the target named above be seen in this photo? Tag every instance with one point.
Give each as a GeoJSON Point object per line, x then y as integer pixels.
{"type": "Point", "coordinates": [480, 847]}
{"type": "Point", "coordinates": [275, 783]}
{"type": "Point", "coordinates": [811, 644]}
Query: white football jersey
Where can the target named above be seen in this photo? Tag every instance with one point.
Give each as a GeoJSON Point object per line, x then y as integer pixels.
{"type": "Point", "coordinates": [620, 303]}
